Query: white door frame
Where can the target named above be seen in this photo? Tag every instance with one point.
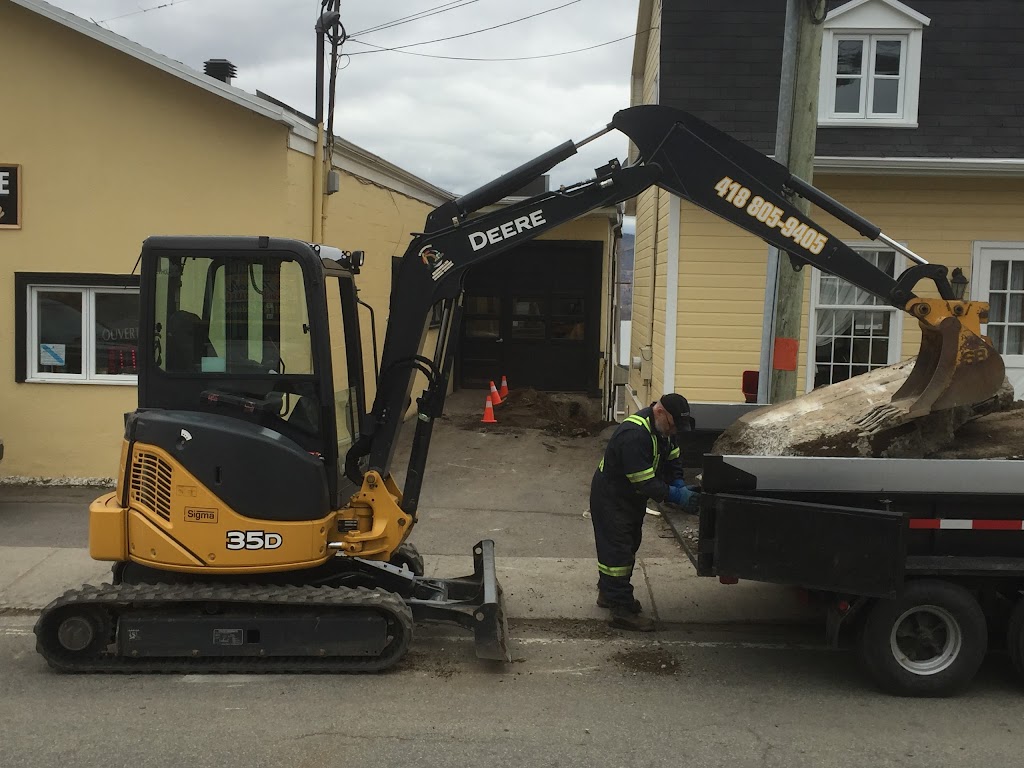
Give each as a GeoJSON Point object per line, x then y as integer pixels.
{"type": "Point", "coordinates": [980, 292]}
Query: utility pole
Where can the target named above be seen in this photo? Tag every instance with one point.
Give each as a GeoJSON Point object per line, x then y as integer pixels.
{"type": "Point", "coordinates": [326, 24]}
{"type": "Point", "coordinates": [795, 142]}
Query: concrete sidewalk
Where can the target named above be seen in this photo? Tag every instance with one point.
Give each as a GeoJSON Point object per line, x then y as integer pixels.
{"type": "Point", "coordinates": [535, 588]}
{"type": "Point", "coordinates": [523, 488]}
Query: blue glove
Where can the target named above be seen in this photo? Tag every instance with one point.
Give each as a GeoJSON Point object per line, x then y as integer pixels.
{"type": "Point", "coordinates": [679, 494]}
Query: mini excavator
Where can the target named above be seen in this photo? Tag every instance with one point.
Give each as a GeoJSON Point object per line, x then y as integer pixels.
{"type": "Point", "coordinates": [255, 524]}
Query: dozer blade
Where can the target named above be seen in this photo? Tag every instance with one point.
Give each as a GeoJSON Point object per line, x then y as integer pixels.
{"type": "Point", "coordinates": [956, 366]}
{"type": "Point", "coordinates": [474, 602]}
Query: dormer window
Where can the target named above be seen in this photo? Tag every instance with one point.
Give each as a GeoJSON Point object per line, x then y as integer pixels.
{"type": "Point", "coordinates": [871, 65]}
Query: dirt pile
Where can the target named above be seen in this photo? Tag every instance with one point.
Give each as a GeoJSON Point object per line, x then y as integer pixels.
{"type": "Point", "coordinates": [994, 436]}
{"type": "Point", "coordinates": [562, 415]}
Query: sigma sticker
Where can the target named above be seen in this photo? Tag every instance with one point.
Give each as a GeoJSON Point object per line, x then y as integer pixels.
{"type": "Point", "coordinates": [434, 259]}
{"type": "Point", "coordinates": [253, 540]}
{"type": "Point", "coordinates": [198, 515]}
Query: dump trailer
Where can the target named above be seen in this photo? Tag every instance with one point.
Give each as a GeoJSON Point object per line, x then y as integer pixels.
{"type": "Point", "coordinates": [919, 561]}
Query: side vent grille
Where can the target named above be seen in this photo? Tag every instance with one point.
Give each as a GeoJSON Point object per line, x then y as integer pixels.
{"type": "Point", "coordinates": [151, 484]}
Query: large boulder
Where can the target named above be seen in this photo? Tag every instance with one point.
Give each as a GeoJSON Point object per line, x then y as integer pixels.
{"type": "Point", "coordinates": [824, 422]}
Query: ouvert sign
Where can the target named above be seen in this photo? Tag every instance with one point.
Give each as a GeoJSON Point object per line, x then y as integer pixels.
{"type": "Point", "coordinates": [10, 196]}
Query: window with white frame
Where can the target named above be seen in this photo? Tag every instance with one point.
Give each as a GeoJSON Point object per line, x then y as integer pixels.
{"type": "Point", "coordinates": [853, 330]}
{"type": "Point", "coordinates": [870, 79]}
{"type": "Point", "coordinates": [78, 333]}
{"type": "Point", "coordinates": [871, 65]}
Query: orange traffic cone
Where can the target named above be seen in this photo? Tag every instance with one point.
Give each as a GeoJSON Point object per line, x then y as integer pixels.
{"type": "Point", "coordinates": [504, 388]}
{"type": "Point", "coordinates": [495, 397]}
{"type": "Point", "coordinates": [488, 413]}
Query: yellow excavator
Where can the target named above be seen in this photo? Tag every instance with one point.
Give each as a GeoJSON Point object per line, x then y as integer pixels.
{"type": "Point", "coordinates": [256, 526]}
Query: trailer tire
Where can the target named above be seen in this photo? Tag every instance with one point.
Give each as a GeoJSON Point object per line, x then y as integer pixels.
{"type": "Point", "coordinates": [928, 642]}
{"type": "Point", "coordinates": [1015, 638]}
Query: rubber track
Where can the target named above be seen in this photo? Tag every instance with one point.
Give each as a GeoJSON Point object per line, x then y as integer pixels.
{"type": "Point", "coordinates": [127, 598]}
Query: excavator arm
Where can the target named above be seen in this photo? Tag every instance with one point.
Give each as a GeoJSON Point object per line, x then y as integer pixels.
{"type": "Point", "coordinates": [689, 158]}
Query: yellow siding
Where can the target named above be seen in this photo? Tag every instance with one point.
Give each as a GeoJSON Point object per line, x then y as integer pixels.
{"type": "Point", "coordinates": [722, 269]}
{"type": "Point", "coordinates": [112, 151]}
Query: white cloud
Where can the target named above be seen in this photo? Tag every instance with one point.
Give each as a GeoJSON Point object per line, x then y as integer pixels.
{"type": "Point", "coordinates": [456, 124]}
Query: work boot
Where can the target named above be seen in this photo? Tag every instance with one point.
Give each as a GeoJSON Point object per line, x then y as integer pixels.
{"type": "Point", "coordinates": [604, 602]}
{"type": "Point", "coordinates": [623, 618]}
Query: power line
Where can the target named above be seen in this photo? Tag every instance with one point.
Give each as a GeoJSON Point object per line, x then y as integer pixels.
{"type": "Point", "coordinates": [426, 13]}
{"type": "Point", "coordinates": [144, 10]}
{"type": "Point", "coordinates": [509, 58]}
{"type": "Point", "coordinates": [475, 32]}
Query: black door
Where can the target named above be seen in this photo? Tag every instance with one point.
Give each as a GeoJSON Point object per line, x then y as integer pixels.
{"type": "Point", "coordinates": [534, 316]}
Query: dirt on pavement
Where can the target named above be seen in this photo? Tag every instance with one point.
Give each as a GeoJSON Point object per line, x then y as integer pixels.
{"type": "Point", "coordinates": [562, 415]}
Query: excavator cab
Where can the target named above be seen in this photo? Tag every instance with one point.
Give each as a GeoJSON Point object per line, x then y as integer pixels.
{"type": "Point", "coordinates": [262, 333]}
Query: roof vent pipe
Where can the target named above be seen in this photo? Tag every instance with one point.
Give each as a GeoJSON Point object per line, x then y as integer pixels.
{"type": "Point", "coordinates": [220, 69]}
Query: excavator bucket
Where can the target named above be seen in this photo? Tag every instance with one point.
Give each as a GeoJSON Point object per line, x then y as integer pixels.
{"type": "Point", "coordinates": [955, 366]}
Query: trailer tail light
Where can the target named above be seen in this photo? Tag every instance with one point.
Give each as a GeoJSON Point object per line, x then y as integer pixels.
{"type": "Point", "coordinates": [843, 606]}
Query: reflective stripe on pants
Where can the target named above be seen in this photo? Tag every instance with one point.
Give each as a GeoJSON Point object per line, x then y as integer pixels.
{"type": "Point", "coordinates": [618, 527]}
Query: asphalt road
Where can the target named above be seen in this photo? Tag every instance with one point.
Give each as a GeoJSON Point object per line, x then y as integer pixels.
{"type": "Point", "coordinates": [576, 695]}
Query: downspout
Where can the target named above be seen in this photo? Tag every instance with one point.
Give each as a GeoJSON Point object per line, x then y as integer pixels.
{"type": "Point", "coordinates": [318, 184]}
{"type": "Point", "coordinates": [611, 348]}
{"type": "Point", "coordinates": [654, 291]}
{"type": "Point", "coordinates": [671, 295]}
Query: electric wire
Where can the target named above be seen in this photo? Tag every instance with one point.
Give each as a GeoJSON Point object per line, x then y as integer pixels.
{"type": "Point", "coordinates": [474, 32]}
{"type": "Point", "coordinates": [381, 49]}
{"type": "Point", "coordinates": [144, 10]}
{"type": "Point", "coordinates": [426, 13]}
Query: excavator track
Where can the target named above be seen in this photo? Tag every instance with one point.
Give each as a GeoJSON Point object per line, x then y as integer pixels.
{"type": "Point", "coordinates": [90, 630]}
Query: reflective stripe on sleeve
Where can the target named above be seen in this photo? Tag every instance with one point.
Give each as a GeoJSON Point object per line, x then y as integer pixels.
{"type": "Point", "coordinates": [641, 476]}
{"type": "Point", "coordinates": [673, 454]}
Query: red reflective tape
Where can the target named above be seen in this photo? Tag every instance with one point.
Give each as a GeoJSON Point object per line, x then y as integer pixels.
{"type": "Point", "coordinates": [785, 354]}
{"type": "Point", "coordinates": [997, 525]}
{"type": "Point", "coordinates": [961, 524]}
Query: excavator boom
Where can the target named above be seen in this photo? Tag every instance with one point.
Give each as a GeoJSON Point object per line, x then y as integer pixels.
{"type": "Point", "coordinates": [689, 158]}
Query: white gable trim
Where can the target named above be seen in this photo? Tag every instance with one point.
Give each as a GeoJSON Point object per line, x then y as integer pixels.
{"type": "Point", "coordinates": [168, 65]}
{"type": "Point", "coordinates": [302, 135]}
{"type": "Point", "coordinates": [897, 6]}
{"type": "Point", "coordinates": [921, 166]}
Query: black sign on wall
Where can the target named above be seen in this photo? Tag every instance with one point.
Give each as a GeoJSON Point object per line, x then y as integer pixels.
{"type": "Point", "coordinates": [10, 196]}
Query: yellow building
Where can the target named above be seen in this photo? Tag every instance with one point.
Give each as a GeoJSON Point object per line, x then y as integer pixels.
{"type": "Point", "coordinates": [934, 174]}
{"type": "Point", "coordinates": [111, 142]}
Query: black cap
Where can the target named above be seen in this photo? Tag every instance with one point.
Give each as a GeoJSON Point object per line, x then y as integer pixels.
{"type": "Point", "coordinates": [679, 409]}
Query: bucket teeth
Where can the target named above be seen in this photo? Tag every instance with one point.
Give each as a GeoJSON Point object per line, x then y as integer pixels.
{"type": "Point", "coordinates": [956, 366]}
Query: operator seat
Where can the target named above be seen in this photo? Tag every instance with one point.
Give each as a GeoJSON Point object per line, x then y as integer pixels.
{"type": "Point", "coordinates": [188, 341]}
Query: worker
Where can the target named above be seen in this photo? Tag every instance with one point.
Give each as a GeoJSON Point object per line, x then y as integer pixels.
{"type": "Point", "coordinates": [642, 461]}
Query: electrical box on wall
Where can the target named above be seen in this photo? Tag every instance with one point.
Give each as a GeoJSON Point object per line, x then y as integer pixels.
{"type": "Point", "coordinates": [642, 363]}
{"type": "Point", "coordinates": [333, 182]}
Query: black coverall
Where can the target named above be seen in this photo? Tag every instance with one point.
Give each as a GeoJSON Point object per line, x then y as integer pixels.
{"type": "Point", "coordinates": [638, 464]}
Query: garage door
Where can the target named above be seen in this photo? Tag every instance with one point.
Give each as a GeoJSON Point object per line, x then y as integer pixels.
{"type": "Point", "coordinates": [534, 315]}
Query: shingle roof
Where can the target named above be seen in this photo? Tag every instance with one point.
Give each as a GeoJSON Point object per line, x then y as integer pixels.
{"type": "Point", "coordinates": [723, 63]}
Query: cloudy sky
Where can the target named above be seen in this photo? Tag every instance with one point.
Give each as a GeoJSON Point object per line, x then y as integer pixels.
{"type": "Point", "coordinates": [455, 123]}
